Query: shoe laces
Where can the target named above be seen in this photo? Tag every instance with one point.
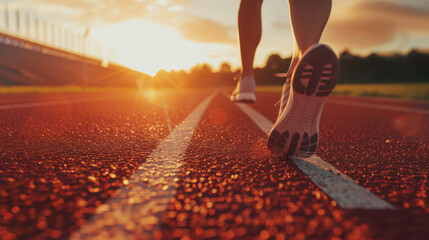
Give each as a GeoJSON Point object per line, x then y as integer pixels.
{"type": "Point", "coordinates": [288, 79]}
{"type": "Point", "coordinates": [281, 75]}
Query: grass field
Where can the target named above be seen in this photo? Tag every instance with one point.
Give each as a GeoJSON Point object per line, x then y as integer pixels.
{"type": "Point", "coordinates": [410, 91]}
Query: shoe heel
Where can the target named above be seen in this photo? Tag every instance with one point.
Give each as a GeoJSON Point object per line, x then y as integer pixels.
{"type": "Point", "coordinates": [308, 145]}
{"type": "Point", "coordinates": [317, 72]}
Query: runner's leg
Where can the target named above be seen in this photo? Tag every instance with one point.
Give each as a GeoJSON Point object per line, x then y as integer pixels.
{"type": "Point", "coordinates": [308, 19]}
{"type": "Point", "coordinates": [249, 32]}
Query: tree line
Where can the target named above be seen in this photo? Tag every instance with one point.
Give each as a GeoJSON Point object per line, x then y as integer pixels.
{"type": "Point", "coordinates": [412, 67]}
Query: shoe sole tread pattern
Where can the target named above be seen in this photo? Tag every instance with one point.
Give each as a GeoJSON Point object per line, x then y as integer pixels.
{"type": "Point", "coordinates": [313, 81]}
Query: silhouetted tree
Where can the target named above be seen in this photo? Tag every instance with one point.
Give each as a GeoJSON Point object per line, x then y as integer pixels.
{"type": "Point", "coordinates": [225, 67]}
{"type": "Point", "coordinates": [412, 67]}
{"type": "Point", "coordinates": [374, 68]}
{"type": "Point", "coordinates": [201, 76]}
{"type": "Point", "coordinates": [275, 64]}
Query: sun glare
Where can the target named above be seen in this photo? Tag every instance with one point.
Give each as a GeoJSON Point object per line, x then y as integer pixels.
{"type": "Point", "coordinates": [149, 47]}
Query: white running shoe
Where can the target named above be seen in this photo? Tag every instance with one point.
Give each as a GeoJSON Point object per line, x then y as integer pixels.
{"type": "Point", "coordinates": [245, 90]}
{"type": "Point", "coordinates": [296, 131]}
{"type": "Point", "coordinates": [285, 93]}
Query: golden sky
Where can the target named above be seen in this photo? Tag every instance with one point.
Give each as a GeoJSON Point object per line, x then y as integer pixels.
{"type": "Point", "coordinates": [149, 35]}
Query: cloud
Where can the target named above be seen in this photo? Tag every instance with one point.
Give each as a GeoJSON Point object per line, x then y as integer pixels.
{"type": "Point", "coordinates": [167, 12]}
{"type": "Point", "coordinates": [422, 4]}
{"type": "Point", "coordinates": [368, 24]}
{"type": "Point", "coordinates": [401, 16]}
{"type": "Point", "coordinates": [362, 33]}
{"type": "Point", "coordinates": [205, 30]}
{"type": "Point", "coordinates": [96, 12]}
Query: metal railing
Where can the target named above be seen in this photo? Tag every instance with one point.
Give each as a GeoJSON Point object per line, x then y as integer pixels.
{"type": "Point", "coordinates": [28, 26]}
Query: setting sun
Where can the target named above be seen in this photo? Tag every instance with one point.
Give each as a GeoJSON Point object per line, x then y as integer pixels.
{"type": "Point", "coordinates": [149, 47]}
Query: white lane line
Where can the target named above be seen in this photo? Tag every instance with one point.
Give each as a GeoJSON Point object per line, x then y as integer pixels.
{"type": "Point", "coordinates": [330, 180]}
{"type": "Point", "coordinates": [378, 106]}
{"type": "Point", "coordinates": [339, 186]}
{"type": "Point", "coordinates": [143, 202]}
{"type": "Point", "coordinates": [262, 122]}
{"type": "Point", "coordinates": [60, 102]}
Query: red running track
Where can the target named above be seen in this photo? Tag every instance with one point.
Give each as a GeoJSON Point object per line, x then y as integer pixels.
{"type": "Point", "coordinates": [61, 162]}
